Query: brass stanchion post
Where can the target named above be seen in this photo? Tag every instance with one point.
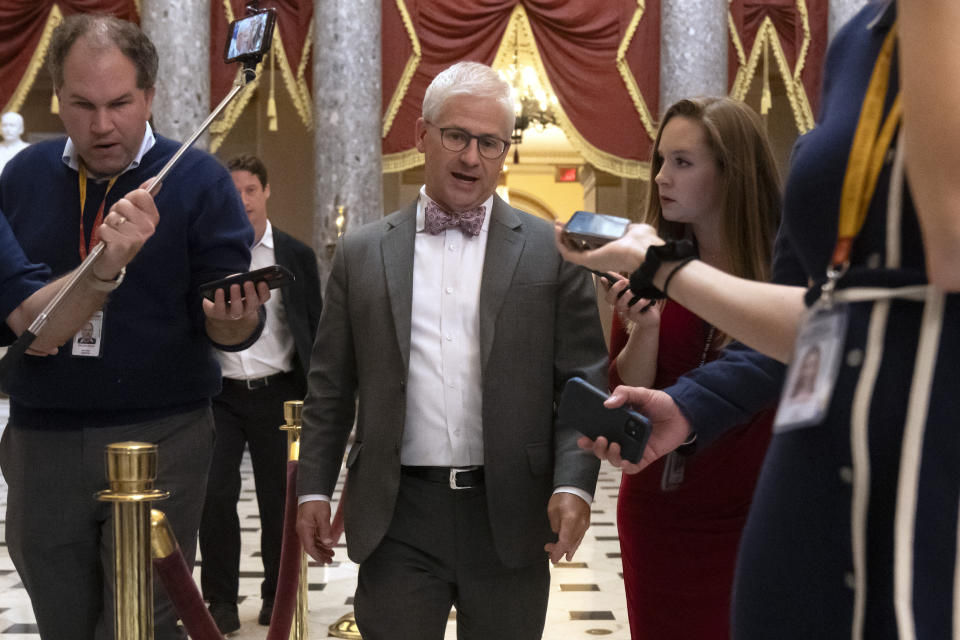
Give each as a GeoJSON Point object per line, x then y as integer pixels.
{"type": "Point", "coordinates": [131, 471]}
{"type": "Point", "coordinates": [292, 412]}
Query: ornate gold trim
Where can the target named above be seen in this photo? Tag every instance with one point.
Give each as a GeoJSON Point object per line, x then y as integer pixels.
{"type": "Point", "coordinates": [639, 102]}
{"type": "Point", "coordinates": [36, 61]}
{"type": "Point", "coordinates": [767, 34]}
{"type": "Point", "coordinates": [411, 68]}
{"type": "Point", "coordinates": [296, 86]}
{"type": "Point", "coordinates": [401, 161]}
{"type": "Point", "coordinates": [602, 160]}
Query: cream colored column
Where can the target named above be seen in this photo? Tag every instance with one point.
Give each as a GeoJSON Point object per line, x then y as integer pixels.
{"type": "Point", "coordinates": [180, 29]}
{"type": "Point", "coordinates": [347, 107]}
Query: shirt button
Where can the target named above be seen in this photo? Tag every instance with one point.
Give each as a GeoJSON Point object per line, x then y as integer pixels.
{"type": "Point", "coordinates": [451, 385]}
{"type": "Point", "coordinates": [850, 580]}
{"type": "Point", "coordinates": [846, 474]}
{"type": "Point", "coordinates": [873, 261]}
{"type": "Point", "coordinates": [449, 289]}
{"type": "Point", "coordinates": [449, 338]}
{"type": "Point", "coordinates": [854, 357]}
{"type": "Point", "coordinates": [452, 247]}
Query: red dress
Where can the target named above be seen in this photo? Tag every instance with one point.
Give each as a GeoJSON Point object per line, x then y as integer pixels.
{"type": "Point", "coordinates": [679, 546]}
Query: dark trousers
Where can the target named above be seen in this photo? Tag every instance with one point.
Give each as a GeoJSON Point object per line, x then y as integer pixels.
{"type": "Point", "coordinates": [438, 553]}
{"type": "Point", "coordinates": [245, 417]}
{"type": "Point", "coordinates": [60, 536]}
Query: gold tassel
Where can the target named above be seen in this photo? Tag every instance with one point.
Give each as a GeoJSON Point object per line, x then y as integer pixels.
{"type": "Point", "coordinates": [272, 101]}
{"type": "Point", "coordinates": [766, 100]}
{"type": "Point", "coordinates": [54, 104]}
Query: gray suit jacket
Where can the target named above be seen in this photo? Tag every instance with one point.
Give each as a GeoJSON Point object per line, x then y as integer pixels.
{"type": "Point", "coordinates": [538, 327]}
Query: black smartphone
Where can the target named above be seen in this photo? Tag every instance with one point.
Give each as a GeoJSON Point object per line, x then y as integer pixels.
{"type": "Point", "coordinates": [248, 39]}
{"type": "Point", "coordinates": [586, 230]}
{"type": "Point", "coordinates": [275, 276]}
{"type": "Point", "coordinates": [581, 408]}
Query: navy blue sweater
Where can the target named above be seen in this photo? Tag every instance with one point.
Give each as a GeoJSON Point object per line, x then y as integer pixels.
{"type": "Point", "coordinates": [156, 359]}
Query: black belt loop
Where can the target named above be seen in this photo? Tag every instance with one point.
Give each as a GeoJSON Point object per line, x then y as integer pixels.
{"type": "Point", "coordinates": [454, 477]}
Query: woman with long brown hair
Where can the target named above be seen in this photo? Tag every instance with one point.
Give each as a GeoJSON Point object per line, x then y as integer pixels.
{"type": "Point", "coordinates": [714, 182]}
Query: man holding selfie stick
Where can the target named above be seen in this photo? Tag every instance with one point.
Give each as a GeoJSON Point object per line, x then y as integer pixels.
{"type": "Point", "coordinates": [256, 383]}
{"type": "Point", "coordinates": [455, 324]}
{"type": "Point", "coordinates": [153, 373]}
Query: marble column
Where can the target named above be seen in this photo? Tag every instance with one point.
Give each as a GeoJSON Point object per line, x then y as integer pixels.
{"type": "Point", "coordinates": [347, 150]}
{"type": "Point", "coordinates": [693, 49]}
{"type": "Point", "coordinates": [180, 29]}
{"type": "Point", "coordinates": [840, 12]}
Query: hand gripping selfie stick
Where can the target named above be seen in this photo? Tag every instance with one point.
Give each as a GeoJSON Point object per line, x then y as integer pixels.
{"type": "Point", "coordinates": [250, 59]}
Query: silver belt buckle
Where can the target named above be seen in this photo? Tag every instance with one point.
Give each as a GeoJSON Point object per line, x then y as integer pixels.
{"type": "Point", "coordinates": [453, 476]}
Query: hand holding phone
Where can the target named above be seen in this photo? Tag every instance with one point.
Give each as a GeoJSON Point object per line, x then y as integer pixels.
{"type": "Point", "coordinates": [582, 409]}
{"type": "Point", "coordinates": [275, 276]}
{"type": "Point", "coordinates": [587, 230]}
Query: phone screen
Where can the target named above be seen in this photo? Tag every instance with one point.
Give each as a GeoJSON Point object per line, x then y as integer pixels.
{"type": "Point", "coordinates": [249, 38]}
{"type": "Point", "coordinates": [597, 224]}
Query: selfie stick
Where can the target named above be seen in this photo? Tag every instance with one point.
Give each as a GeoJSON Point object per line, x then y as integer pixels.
{"type": "Point", "coordinates": [23, 342]}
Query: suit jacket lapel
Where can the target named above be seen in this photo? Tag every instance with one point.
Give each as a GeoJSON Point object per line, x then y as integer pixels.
{"type": "Point", "coordinates": [397, 247]}
{"type": "Point", "coordinates": [504, 246]}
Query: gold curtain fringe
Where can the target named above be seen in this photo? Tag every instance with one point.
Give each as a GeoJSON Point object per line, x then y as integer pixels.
{"type": "Point", "coordinates": [54, 103]}
{"type": "Point", "coordinates": [622, 167]}
{"type": "Point", "coordinates": [408, 71]}
{"type": "Point", "coordinates": [401, 161]}
{"type": "Point", "coordinates": [36, 61]}
{"type": "Point", "coordinates": [767, 36]}
{"type": "Point", "coordinates": [639, 102]}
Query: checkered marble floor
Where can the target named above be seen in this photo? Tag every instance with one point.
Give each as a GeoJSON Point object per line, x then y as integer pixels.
{"type": "Point", "coordinates": [586, 598]}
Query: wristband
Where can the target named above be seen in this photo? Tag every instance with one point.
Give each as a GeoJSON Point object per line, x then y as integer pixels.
{"type": "Point", "coordinates": [641, 280]}
{"type": "Point", "coordinates": [106, 285]}
{"type": "Point", "coordinates": [681, 265]}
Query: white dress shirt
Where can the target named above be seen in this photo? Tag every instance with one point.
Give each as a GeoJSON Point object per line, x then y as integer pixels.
{"type": "Point", "coordinates": [443, 425]}
{"type": "Point", "coordinates": [273, 352]}
{"type": "Point", "coordinates": [70, 156]}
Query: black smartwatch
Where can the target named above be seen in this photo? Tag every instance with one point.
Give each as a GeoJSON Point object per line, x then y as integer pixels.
{"type": "Point", "coordinates": [641, 280]}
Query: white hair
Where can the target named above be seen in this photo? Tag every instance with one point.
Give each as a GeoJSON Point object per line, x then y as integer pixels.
{"type": "Point", "coordinates": [468, 78]}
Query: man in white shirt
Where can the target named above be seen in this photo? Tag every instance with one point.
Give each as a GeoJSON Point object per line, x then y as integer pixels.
{"type": "Point", "coordinates": [454, 323]}
{"type": "Point", "coordinates": [256, 383]}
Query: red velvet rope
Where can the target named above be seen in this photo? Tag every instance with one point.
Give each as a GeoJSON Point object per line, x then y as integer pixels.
{"type": "Point", "coordinates": [285, 601]}
{"type": "Point", "coordinates": [177, 580]}
{"type": "Point", "coordinates": [183, 593]}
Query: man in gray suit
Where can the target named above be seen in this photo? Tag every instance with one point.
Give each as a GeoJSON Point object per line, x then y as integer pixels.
{"type": "Point", "coordinates": [456, 323]}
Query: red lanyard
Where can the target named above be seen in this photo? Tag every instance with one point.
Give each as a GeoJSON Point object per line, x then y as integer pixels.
{"type": "Point", "coordinates": [86, 246]}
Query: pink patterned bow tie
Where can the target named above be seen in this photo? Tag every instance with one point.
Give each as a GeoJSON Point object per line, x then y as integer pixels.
{"type": "Point", "coordinates": [438, 220]}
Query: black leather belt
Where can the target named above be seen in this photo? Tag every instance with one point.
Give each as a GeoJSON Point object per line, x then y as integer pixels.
{"type": "Point", "coordinates": [454, 477]}
{"type": "Point", "coordinates": [252, 384]}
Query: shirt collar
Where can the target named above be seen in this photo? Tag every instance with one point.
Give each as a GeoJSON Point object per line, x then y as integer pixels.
{"type": "Point", "coordinates": [71, 157]}
{"type": "Point", "coordinates": [886, 14]}
{"type": "Point", "coordinates": [424, 199]}
{"type": "Point", "coordinates": [266, 239]}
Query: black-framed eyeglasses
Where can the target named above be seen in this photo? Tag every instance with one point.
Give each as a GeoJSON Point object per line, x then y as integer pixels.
{"type": "Point", "coordinates": [456, 139]}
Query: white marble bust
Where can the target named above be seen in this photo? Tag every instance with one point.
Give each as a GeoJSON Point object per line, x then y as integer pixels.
{"type": "Point", "coordinates": [11, 125]}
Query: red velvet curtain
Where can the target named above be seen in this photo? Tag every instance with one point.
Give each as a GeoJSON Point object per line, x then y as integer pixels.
{"type": "Point", "coordinates": [578, 43]}
{"type": "Point", "coordinates": [22, 26]}
{"type": "Point", "coordinates": [801, 28]}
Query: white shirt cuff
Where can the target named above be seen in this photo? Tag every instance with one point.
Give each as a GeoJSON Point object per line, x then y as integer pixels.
{"type": "Point", "coordinates": [564, 489]}
{"type": "Point", "coordinates": [312, 497]}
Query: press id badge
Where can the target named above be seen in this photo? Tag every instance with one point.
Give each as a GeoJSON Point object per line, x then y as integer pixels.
{"type": "Point", "coordinates": [89, 340]}
{"type": "Point", "coordinates": [812, 374]}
